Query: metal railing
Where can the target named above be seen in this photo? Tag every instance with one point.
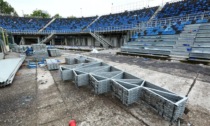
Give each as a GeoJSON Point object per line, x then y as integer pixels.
{"type": "Point", "coordinates": [142, 25]}
{"type": "Point", "coordinates": [155, 22]}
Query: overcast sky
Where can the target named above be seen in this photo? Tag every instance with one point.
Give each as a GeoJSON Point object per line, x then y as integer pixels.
{"type": "Point", "coordinates": [80, 8]}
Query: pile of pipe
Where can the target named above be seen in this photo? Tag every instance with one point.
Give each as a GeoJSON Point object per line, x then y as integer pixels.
{"type": "Point", "coordinates": [103, 78]}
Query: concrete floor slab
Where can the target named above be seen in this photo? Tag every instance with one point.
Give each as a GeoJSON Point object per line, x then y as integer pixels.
{"type": "Point", "coordinates": [51, 113]}
{"type": "Point", "coordinates": [200, 95]}
{"type": "Point", "coordinates": [176, 84]}
{"type": "Point", "coordinates": [44, 78]}
{"type": "Point", "coordinates": [62, 101]}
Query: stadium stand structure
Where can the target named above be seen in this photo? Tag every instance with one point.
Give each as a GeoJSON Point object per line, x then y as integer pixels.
{"type": "Point", "coordinates": [70, 24]}
{"type": "Point", "coordinates": [183, 8]}
{"type": "Point", "coordinates": [22, 23]}
{"type": "Point", "coordinates": [125, 18]}
{"type": "Point", "coordinates": [177, 29]}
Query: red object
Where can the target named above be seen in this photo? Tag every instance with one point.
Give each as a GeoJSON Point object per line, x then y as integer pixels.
{"type": "Point", "coordinates": [72, 123]}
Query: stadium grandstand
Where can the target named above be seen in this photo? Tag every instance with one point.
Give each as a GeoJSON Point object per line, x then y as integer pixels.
{"type": "Point", "coordinates": [174, 29]}
{"type": "Point", "coordinates": [154, 59]}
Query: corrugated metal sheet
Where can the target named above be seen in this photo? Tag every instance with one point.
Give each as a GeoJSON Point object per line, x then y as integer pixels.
{"type": "Point", "coordinates": [8, 69]}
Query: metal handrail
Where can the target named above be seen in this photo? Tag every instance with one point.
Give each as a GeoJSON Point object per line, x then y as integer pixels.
{"type": "Point", "coordinates": [141, 25]}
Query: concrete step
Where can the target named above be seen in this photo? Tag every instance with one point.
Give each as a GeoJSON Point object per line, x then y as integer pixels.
{"type": "Point", "coordinates": [205, 27]}
{"type": "Point", "coordinates": [203, 31]}
{"type": "Point", "coordinates": [201, 49]}
{"type": "Point", "coordinates": [183, 44]}
{"type": "Point", "coordinates": [160, 36]}
{"type": "Point", "coordinates": [179, 53]}
{"type": "Point", "coordinates": [201, 44]}
{"type": "Point", "coordinates": [187, 34]}
{"type": "Point", "coordinates": [202, 40]}
{"type": "Point", "coordinates": [190, 31]}
{"type": "Point", "coordinates": [203, 35]}
{"type": "Point", "coordinates": [186, 38]}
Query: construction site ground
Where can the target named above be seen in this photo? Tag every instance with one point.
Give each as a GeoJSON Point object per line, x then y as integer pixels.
{"type": "Point", "coordinates": [39, 97]}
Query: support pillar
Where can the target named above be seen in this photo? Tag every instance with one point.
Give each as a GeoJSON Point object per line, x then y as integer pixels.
{"type": "Point", "coordinates": [53, 42]}
{"type": "Point", "coordinates": [65, 41]}
{"type": "Point", "coordinates": [38, 40]}
{"type": "Point", "coordinates": [13, 39]}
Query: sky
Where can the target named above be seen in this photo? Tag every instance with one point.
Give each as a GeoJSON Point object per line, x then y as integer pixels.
{"type": "Point", "coordinates": [80, 8]}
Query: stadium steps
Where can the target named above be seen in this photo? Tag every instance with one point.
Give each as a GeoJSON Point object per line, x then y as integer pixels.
{"type": "Point", "coordinates": [185, 41]}
{"type": "Point", "coordinates": [47, 25]}
{"type": "Point", "coordinates": [201, 46]}
{"type": "Point", "coordinates": [48, 38]}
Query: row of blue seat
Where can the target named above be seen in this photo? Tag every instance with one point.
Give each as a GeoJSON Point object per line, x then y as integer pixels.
{"type": "Point", "coordinates": [126, 18]}
{"type": "Point", "coordinates": [184, 7]}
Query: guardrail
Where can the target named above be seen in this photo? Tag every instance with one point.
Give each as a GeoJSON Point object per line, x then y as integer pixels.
{"type": "Point", "coordinates": [141, 25]}
{"type": "Point", "coordinates": [45, 32]}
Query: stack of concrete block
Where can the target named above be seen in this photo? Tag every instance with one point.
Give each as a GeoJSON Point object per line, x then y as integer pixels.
{"type": "Point", "coordinates": [66, 71]}
{"type": "Point", "coordinates": [38, 47]}
{"type": "Point", "coordinates": [78, 59]}
{"type": "Point", "coordinates": [54, 52]}
{"type": "Point", "coordinates": [40, 52]}
{"type": "Point", "coordinates": [52, 64]}
{"type": "Point", "coordinates": [82, 74]}
{"type": "Point", "coordinates": [100, 80]}
{"type": "Point", "coordinates": [124, 86]}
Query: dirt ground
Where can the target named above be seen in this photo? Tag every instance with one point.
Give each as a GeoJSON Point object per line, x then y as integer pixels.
{"type": "Point", "coordinates": [40, 97]}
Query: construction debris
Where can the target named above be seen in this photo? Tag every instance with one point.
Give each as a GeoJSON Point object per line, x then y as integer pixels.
{"type": "Point", "coordinates": [40, 51]}
{"type": "Point", "coordinates": [9, 67]}
{"type": "Point", "coordinates": [54, 52]}
{"type": "Point", "coordinates": [52, 64]}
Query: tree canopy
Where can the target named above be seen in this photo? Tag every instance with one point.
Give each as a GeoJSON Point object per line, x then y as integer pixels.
{"type": "Point", "coordinates": [57, 16]}
{"type": "Point", "coordinates": [6, 8]}
{"type": "Point", "coordinates": [40, 13]}
{"type": "Point", "coordinates": [71, 16]}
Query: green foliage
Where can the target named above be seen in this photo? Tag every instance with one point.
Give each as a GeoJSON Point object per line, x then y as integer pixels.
{"type": "Point", "coordinates": [40, 13]}
{"type": "Point", "coordinates": [6, 8]}
{"type": "Point", "coordinates": [71, 16]}
{"type": "Point", "coordinates": [57, 16]}
{"type": "Point", "coordinates": [26, 15]}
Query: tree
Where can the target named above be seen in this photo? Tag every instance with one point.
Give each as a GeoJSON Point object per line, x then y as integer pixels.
{"type": "Point", "coordinates": [71, 16]}
{"type": "Point", "coordinates": [40, 13]}
{"type": "Point", "coordinates": [57, 16]}
{"type": "Point", "coordinates": [26, 15]}
{"type": "Point", "coordinates": [6, 8]}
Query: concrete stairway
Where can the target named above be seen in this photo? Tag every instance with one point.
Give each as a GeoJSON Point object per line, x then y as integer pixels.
{"type": "Point", "coordinates": [159, 45]}
{"type": "Point", "coordinates": [201, 45]}
{"type": "Point", "coordinates": [101, 39]}
{"type": "Point", "coordinates": [185, 41]}
{"type": "Point", "coordinates": [47, 25]}
{"type": "Point", "coordinates": [91, 23]}
{"type": "Point", "coordinates": [48, 38]}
